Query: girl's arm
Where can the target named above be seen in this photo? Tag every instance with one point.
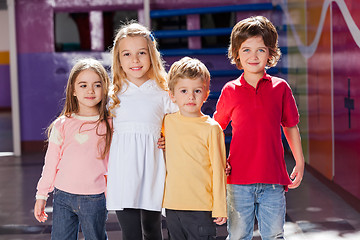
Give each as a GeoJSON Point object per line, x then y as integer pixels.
{"type": "Point", "coordinates": [161, 142]}
{"type": "Point", "coordinates": [293, 137]}
{"type": "Point", "coordinates": [39, 210]}
{"type": "Point", "coordinates": [46, 181]}
{"type": "Point", "coordinates": [52, 159]}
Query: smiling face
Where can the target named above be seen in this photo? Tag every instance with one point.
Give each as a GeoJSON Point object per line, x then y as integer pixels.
{"type": "Point", "coordinates": [189, 95]}
{"type": "Point", "coordinates": [253, 55]}
{"type": "Point", "coordinates": [88, 91]}
{"type": "Point", "coordinates": [135, 59]}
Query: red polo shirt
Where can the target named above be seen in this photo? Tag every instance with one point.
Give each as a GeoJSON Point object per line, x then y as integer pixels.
{"type": "Point", "coordinates": [256, 114]}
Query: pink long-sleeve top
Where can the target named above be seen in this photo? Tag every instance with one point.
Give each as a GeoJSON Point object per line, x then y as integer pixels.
{"type": "Point", "coordinates": [72, 162]}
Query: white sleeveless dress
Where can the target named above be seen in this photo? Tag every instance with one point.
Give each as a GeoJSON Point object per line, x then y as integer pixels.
{"type": "Point", "coordinates": [136, 172]}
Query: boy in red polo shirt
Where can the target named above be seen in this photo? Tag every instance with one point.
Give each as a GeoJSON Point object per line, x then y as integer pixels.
{"type": "Point", "coordinates": [257, 104]}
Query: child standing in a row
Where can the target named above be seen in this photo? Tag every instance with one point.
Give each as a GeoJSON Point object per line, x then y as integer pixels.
{"type": "Point", "coordinates": [139, 101]}
{"type": "Point", "coordinates": [77, 156]}
{"type": "Point", "coordinates": [257, 105]}
{"type": "Point", "coordinates": [195, 192]}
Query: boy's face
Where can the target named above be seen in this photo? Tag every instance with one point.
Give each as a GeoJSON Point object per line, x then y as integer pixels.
{"type": "Point", "coordinates": [254, 55]}
{"type": "Point", "coordinates": [189, 95]}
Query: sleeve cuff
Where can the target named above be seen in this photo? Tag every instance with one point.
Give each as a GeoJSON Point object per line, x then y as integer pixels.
{"type": "Point", "coordinates": [41, 197]}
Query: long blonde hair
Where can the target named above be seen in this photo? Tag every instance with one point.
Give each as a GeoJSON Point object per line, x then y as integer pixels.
{"type": "Point", "coordinates": [156, 71]}
{"type": "Point", "coordinates": [71, 103]}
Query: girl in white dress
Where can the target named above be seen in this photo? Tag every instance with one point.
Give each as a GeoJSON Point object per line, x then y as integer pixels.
{"type": "Point", "coordinates": [139, 101]}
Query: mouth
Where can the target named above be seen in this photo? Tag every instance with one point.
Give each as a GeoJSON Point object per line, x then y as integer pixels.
{"type": "Point", "coordinates": [136, 68]}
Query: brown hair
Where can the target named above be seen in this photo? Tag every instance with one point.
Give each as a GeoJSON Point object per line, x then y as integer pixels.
{"type": "Point", "coordinates": [191, 68]}
{"type": "Point", "coordinates": [156, 71]}
{"type": "Point", "coordinates": [71, 103]}
{"type": "Point", "coordinates": [252, 27]}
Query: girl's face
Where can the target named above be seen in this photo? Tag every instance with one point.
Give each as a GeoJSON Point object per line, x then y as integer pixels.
{"type": "Point", "coordinates": [253, 56]}
{"type": "Point", "coordinates": [135, 59]}
{"type": "Point", "coordinates": [88, 91]}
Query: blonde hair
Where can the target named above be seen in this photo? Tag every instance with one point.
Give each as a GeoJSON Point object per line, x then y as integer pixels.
{"type": "Point", "coordinates": [156, 71]}
{"type": "Point", "coordinates": [252, 27]}
{"type": "Point", "coordinates": [190, 68]}
{"type": "Point", "coordinates": [71, 103]}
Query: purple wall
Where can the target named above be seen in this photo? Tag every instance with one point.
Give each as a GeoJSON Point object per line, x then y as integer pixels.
{"type": "Point", "coordinates": [43, 72]}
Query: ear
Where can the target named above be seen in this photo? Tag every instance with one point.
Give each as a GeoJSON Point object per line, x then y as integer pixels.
{"type": "Point", "coordinates": [207, 95]}
{"type": "Point", "coordinates": [172, 97]}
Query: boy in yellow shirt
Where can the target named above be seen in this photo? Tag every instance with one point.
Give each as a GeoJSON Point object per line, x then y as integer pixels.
{"type": "Point", "coordinates": [195, 195]}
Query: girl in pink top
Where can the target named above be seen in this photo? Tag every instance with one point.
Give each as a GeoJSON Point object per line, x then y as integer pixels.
{"type": "Point", "coordinates": [77, 157]}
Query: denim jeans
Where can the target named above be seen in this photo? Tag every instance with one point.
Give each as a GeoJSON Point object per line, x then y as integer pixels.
{"type": "Point", "coordinates": [72, 210]}
{"type": "Point", "coordinates": [266, 202]}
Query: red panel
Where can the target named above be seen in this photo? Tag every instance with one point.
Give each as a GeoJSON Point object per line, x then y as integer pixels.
{"type": "Point", "coordinates": [346, 55]}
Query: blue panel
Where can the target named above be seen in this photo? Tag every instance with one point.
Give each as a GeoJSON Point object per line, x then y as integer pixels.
{"type": "Point", "coordinates": [218, 9]}
{"type": "Point", "coordinates": [188, 52]}
{"type": "Point", "coordinates": [190, 33]}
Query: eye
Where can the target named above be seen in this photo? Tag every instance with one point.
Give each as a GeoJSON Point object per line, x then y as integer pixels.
{"type": "Point", "coordinates": [98, 85]}
{"type": "Point", "coordinates": [246, 50]}
{"type": "Point", "coordinates": [183, 91]}
{"type": "Point", "coordinates": [82, 85]}
{"type": "Point", "coordinates": [198, 91]}
{"type": "Point", "coordinates": [126, 54]}
{"type": "Point", "coordinates": [142, 53]}
{"type": "Point", "coordinates": [262, 50]}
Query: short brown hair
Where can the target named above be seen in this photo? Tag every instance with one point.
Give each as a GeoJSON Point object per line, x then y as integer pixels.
{"type": "Point", "coordinates": [252, 27]}
{"type": "Point", "coordinates": [191, 68]}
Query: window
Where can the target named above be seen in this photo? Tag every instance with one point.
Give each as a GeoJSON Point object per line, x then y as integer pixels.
{"type": "Point", "coordinates": [73, 30]}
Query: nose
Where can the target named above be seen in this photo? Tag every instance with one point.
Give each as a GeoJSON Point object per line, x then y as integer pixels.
{"type": "Point", "coordinates": [135, 58]}
{"type": "Point", "coordinates": [91, 89]}
{"type": "Point", "coordinates": [254, 55]}
{"type": "Point", "coordinates": [191, 95]}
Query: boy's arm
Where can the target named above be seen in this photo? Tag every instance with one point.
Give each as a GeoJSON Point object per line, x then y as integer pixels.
{"type": "Point", "coordinates": [218, 162]}
{"type": "Point", "coordinates": [293, 137]}
{"type": "Point", "coordinates": [222, 115]}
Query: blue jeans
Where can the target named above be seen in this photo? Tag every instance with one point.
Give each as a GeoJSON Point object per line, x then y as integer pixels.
{"type": "Point", "coordinates": [266, 202]}
{"type": "Point", "coordinates": [72, 210]}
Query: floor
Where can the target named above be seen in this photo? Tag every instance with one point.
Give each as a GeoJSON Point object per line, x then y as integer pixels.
{"type": "Point", "coordinates": [314, 212]}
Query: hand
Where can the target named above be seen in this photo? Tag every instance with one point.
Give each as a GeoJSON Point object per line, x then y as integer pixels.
{"type": "Point", "coordinates": [296, 176]}
{"type": "Point", "coordinates": [220, 220]}
{"type": "Point", "coordinates": [161, 142]}
{"type": "Point", "coordinates": [228, 168]}
{"type": "Point", "coordinates": [39, 210]}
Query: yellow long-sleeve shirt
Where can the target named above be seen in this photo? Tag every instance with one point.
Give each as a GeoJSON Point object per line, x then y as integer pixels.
{"type": "Point", "coordinates": [195, 165]}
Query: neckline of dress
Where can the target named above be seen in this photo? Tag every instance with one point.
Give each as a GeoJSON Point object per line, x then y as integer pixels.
{"type": "Point", "coordinates": [147, 82]}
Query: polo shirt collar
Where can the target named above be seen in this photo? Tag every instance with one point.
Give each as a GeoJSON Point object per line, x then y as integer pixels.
{"type": "Point", "coordinates": [242, 81]}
